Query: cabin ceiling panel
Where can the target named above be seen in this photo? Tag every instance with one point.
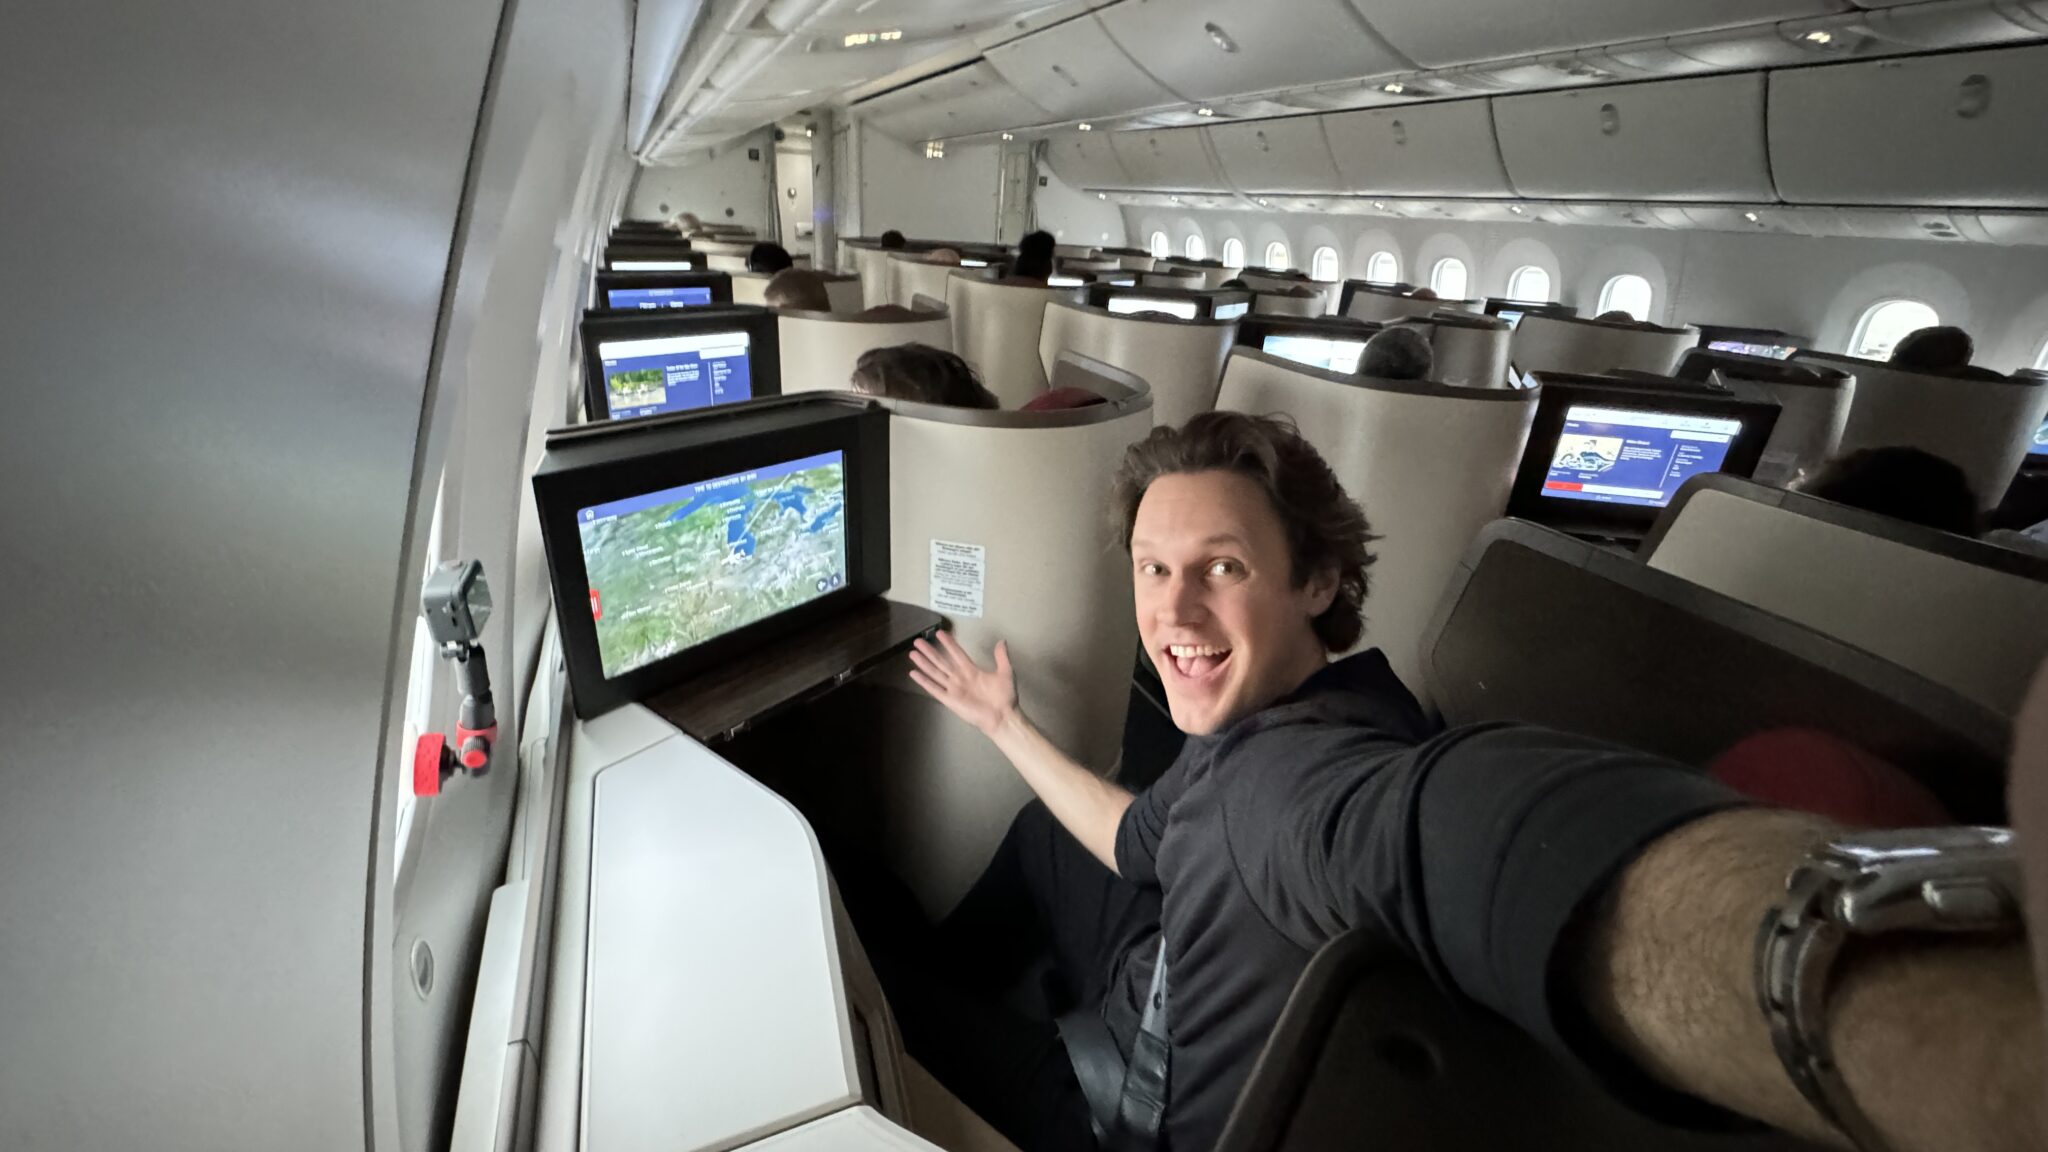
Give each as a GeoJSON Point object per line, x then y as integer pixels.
{"type": "Point", "coordinates": [1698, 138]}
{"type": "Point", "coordinates": [963, 102]}
{"type": "Point", "coordinates": [1085, 160]}
{"type": "Point", "coordinates": [1173, 159]}
{"type": "Point", "coordinates": [1971, 124]}
{"type": "Point", "coordinates": [1288, 155]}
{"type": "Point", "coordinates": [1442, 33]}
{"type": "Point", "coordinates": [1444, 149]}
{"type": "Point", "coordinates": [1209, 49]}
{"type": "Point", "coordinates": [1074, 70]}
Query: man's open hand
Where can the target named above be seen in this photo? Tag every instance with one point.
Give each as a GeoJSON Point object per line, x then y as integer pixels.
{"type": "Point", "coordinates": [975, 694]}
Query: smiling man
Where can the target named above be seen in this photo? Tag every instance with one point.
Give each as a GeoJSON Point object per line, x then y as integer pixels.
{"type": "Point", "coordinates": [1606, 901]}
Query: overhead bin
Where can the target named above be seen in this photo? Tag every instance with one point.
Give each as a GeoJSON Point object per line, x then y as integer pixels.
{"type": "Point", "coordinates": [962, 102]}
{"type": "Point", "coordinates": [1074, 70]}
{"type": "Point", "coordinates": [1086, 160]}
{"type": "Point", "coordinates": [1700, 138]}
{"type": "Point", "coordinates": [1288, 155]}
{"type": "Point", "coordinates": [1943, 130]}
{"type": "Point", "coordinates": [1169, 159]}
{"type": "Point", "coordinates": [1181, 43]}
{"type": "Point", "coordinates": [1447, 32]}
{"type": "Point", "coordinates": [1444, 149]}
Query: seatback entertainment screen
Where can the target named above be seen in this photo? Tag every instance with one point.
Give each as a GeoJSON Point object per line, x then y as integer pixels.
{"type": "Point", "coordinates": [1126, 305]}
{"type": "Point", "coordinates": [1774, 351]}
{"type": "Point", "coordinates": [672, 569]}
{"type": "Point", "coordinates": [1232, 311]}
{"type": "Point", "coordinates": [1634, 456]}
{"type": "Point", "coordinates": [1316, 352]}
{"type": "Point", "coordinates": [673, 373]}
{"type": "Point", "coordinates": [650, 298]}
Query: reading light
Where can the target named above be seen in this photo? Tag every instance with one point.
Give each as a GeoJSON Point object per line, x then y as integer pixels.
{"type": "Point", "coordinates": [1205, 111]}
{"type": "Point", "coordinates": [1220, 38]}
{"type": "Point", "coordinates": [1007, 136]}
{"type": "Point", "coordinates": [1087, 127]}
{"type": "Point", "coordinates": [1102, 195]}
{"type": "Point", "coordinates": [1819, 36]}
{"type": "Point", "coordinates": [1750, 216]}
{"type": "Point", "coordinates": [1515, 208]}
{"type": "Point", "coordinates": [1173, 199]}
{"type": "Point", "coordinates": [1262, 202]}
{"type": "Point", "coordinates": [1379, 205]}
{"type": "Point", "coordinates": [1395, 88]}
{"type": "Point", "coordinates": [857, 39]}
{"type": "Point", "coordinates": [934, 150]}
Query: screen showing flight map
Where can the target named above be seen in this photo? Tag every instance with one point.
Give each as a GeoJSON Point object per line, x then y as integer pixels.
{"type": "Point", "coordinates": [675, 568]}
{"type": "Point", "coordinates": [1316, 352]}
{"type": "Point", "coordinates": [672, 373]}
{"type": "Point", "coordinates": [688, 296]}
{"type": "Point", "coordinates": [1627, 456]}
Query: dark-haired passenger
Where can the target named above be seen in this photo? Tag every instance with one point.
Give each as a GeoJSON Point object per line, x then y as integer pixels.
{"type": "Point", "coordinates": [797, 290]}
{"type": "Point", "coordinates": [1397, 354]}
{"type": "Point", "coordinates": [1945, 348]}
{"type": "Point", "coordinates": [1910, 484]}
{"type": "Point", "coordinates": [1601, 899]}
{"type": "Point", "coordinates": [1616, 316]}
{"type": "Point", "coordinates": [766, 257]}
{"type": "Point", "coordinates": [923, 373]}
{"type": "Point", "coordinates": [892, 240]}
{"type": "Point", "coordinates": [1034, 258]}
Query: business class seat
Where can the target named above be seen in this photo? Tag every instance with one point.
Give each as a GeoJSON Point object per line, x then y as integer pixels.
{"type": "Point", "coordinates": [1430, 463]}
{"type": "Point", "coordinates": [1470, 350]}
{"type": "Point", "coordinates": [996, 329]}
{"type": "Point", "coordinates": [726, 261]}
{"type": "Point", "coordinates": [1008, 507]}
{"type": "Point", "coordinates": [871, 264]}
{"type": "Point", "coordinates": [1982, 423]}
{"type": "Point", "coordinates": [1963, 613]}
{"type": "Point", "coordinates": [1091, 266]}
{"type": "Point", "coordinates": [750, 287]}
{"type": "Point", "coordinates": [910, 277]}
{"type": "Point", "coordinates": [1813, 407]}
{"type": "Point", "coordinates": [846, 294]}
{"type": "Point", "coordinates": [1290, 301]}
{"type": "Point", "coordinates": [1561, 344]}
{"type": "Point", "coordinates": [1271, 280]}
{"type": "Point", "coordinates": [1369, 1044]}
{"type": "Point", "coordinates": [1172, 278]}
{"type": "Point", "coordinates": [819, 349]}
{"type": "Point", "coordinates": [1540, 627]}
{"type": "Point", "coordinates": [1386, 307]}
{"type": "Point", "coordinates": [1183, 359]}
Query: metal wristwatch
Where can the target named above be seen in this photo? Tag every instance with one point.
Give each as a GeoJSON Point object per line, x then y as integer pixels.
{"type": "Point", "coordinates": [1935, 880]}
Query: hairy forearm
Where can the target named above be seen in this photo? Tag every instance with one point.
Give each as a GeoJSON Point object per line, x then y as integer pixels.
{"type": "Point", "coordinates": [1938, 1040]}
{"type": "Point", "coordinates": [1088, 806]}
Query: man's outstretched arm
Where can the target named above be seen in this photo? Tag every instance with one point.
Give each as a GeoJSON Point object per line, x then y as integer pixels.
{"type": "Point", "coordinates": [1939, 1040]}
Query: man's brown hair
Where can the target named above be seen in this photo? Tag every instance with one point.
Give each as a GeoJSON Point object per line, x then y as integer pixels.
{"type": "Point", "coordinates": [797, 289]}
{"type": "Point", "coordinates": [1325, 527]}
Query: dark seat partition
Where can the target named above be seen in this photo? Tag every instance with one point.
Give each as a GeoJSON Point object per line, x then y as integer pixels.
{"type": "Point", "coordinates": [1370, 1054]}
{"type": "Point", "coordinates": [1540, 627]}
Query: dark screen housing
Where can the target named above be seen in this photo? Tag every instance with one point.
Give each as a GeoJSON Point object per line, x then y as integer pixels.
{"type": "Point", "coordinates": [696, 519]}
{"type": "Point", "coordinates": [607, 398]}
{"type": "Point", "coordinates": [1205, 300]}
{"type": "Point", "coordinates": [719, 284]}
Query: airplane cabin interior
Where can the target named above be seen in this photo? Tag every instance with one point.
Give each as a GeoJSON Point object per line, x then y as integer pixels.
{"type": "Point", "coordinates": [466, 551]}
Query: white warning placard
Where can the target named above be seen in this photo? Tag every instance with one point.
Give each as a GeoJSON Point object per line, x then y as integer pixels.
{"type": "Point", "coordinates": [959, 572]}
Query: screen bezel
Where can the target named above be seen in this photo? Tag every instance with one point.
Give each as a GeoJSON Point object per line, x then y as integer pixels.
{"type": "Point", "coordinates": [764, 348]}
{"type": "Point", "coordinates": [720, 284]}
{"type": "Point", "coordinates": [1560, 393]}
{"type": "Point", "coordinates": [636, 457]}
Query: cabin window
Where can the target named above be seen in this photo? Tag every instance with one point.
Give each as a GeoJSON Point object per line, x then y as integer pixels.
{"type": "Point", "coordinates": [1885, 322]}
{"type": "Point", "coordinates": [1195, 248]}
{"type": "Point", "coordinates": [1529, 282]}
{"type": "Point", "coordinates": [1383, 268]}
{"type": "Point", "coordinates": [1323, 265]}
{"type": "Point", "coordinates": [1447, 279]}
{"type": "Point", "coordinates": [1160, 248]}
{"type": "Point", "coordinates": [1276, 256]}
{"type": "Point", "coordinates": [1233, 253]}
{"type": "Point", "coordinates": [1628, 293]}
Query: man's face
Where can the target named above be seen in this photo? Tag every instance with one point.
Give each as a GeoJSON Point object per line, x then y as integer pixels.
{"type": "Point", "coordinates": [1218, 608]}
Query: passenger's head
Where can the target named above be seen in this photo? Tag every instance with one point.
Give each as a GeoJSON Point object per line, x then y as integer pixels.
{"type": "Point", "coordinates": [687, 222]}
{"type": "Point", "coordinates": [892, 239]}
{"type": "Point", "coordinates": [1034, 256]}
{"type": "Point", "coordinates": [1424, 294]}
{"type": "Point", "coordinates": [1397, 354]}
{"type": "Point", "coordinates": [1942, 349]}
{"type": "Point", "coordinates": [920, 372]}
{"type": "Point", "coordinates": [1236, 283]}
{"type": "Point", "coordinates": [1904, 483]}
{"type": "Point", "coordinates": [1617, 316]}
{"type": "Point", "coordinates": [799, 290]}
{"type": "Point", "coordinates": [946, 256]}
{"type": "Point", "coordinates": [1247, 562]}
{"type": "Point", "coordinates": [765, 257]}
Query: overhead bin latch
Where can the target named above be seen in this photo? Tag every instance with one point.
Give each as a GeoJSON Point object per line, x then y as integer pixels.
{"type": "Point", "coordinates": [456, 602]}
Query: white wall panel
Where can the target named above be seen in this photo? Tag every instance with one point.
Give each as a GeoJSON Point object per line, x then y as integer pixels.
{"type": "Point", "coordinates": [733, 184]}
{"type": "Point", "coordinates": [1074, 216]}
{"type": "Point", "coordinates": [1288, 155]}
{"type": "Point", "coordinates": [1086, 160]}
{"type": "Point", "coordinates": [1442, 149]}
{"type": "Point", "coordinates": [1171, 159]}
{"type": "Point", "coordinates": [1693, 139]}
{"type": "Point", "coordinates": [1964, 129]}
{"type": "Point", "coordinates": [1446, 32]}
{"type": "Point", "coordinates": [1313, 42]}
{"type": "Point", "coordinates": [949, 199]}
{"type": "Point", "coordinates": [1074, 70]}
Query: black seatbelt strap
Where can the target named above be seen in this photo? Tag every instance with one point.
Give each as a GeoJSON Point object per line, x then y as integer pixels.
{"type": "Point", "coordinates": [1126, 1100]}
